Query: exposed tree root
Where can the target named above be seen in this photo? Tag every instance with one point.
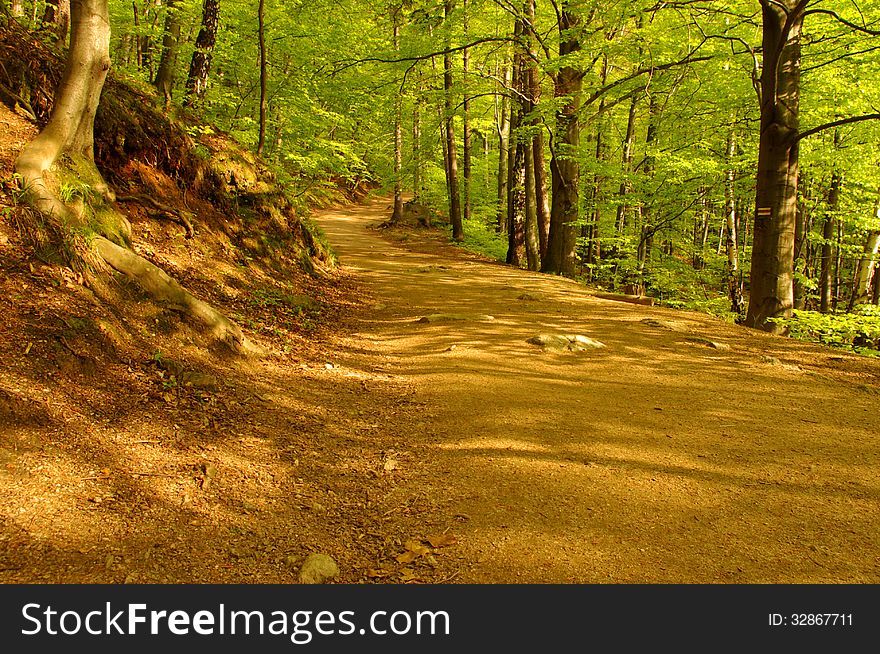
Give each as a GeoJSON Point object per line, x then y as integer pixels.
{"type": "Point", "coordinates": [161, 287]}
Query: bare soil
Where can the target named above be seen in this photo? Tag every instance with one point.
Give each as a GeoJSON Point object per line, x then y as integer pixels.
{"type": "Point", "coordinates": [411, 452]}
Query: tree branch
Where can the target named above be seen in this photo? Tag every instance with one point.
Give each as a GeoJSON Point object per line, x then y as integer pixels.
{"type": "Point", "coordinates": [836, 123]}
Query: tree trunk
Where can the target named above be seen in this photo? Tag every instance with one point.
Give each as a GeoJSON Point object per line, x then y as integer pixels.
{"type": "Point", "coordinates": [564, 169]}
{"type": "Point", "coordinates": [772, 291]}
{"type": "Point", "coordinates": [397, 212]}
{"type": "Point", "coordinates": [801, 244]}
{"type": "Point", "coordinates": [532, 240]}
{"type": "Point", "coordinates": [503, 129]}
{"type": "Point", "coordinates": [866, 268]}
{"type": "Point", "coordinates": [264, 98]}
{"type": "Point", "coordinates": [467, 137]}
{"type": "Point", "coordinates": [57, 14]}
{"type": "Point", "coordinates": [417, 145]}
{"type": "Point", "coordinates": [625, 186]}
{"type": "Point", "coordinates": [71, 126]}
{"type": "Point", "coordinates": [70, 131]}
{"type": "Point", "coordinates": [200, 65]}
{"type": "Point", "coordinates": [731, 270]}
{"type": "Point", "coordinates": [829, 233]}
{"type": "Point", "coordinates": [542, 199]}
{"type": "Point", "coordinates": [451, 148]}
{"type": "Point", "coordinates": [516, 162]}
{"type": "Point", "coordinates": [164, 81]}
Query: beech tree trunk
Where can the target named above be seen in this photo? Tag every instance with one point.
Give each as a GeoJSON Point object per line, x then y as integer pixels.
{"type": "Point", "coordinates": [451, 148]}
{"type": "Point", "coordinates": [503, 129]}
{"type": "Point", "coordinates": [731, 271]}
{"type": "Point", "coordinates": [467, 137]}
{"type": "Point", "coordinates": [564, 169]}
{"type": "Point", "coordinates": [200, 65]}
{"type": "Point", "coordinates": [264, 98]}
{"type": "Point", "coordinates": [71, 126]}
{"type": "Point", "coordinates": [70, 131]}
{"type": "Point", "coordinates": [772, 290]}
{"type": "Point", "coordinates": [397, 211]}
{"type": "Point", "coordinates": [516, 160]}
{"type": "Point", "coordinates": [829, 233]}
{"type": "Point", "coordinates": [164, 81]}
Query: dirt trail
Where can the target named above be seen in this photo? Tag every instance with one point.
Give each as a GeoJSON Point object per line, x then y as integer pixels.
{"type": "Point", "coordinates": [655, 459]}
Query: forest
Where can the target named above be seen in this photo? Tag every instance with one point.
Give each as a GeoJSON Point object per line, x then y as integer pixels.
{"type": "Point", "coordinates": [346, 264]}
{"type": "Point", "coordinates": [715, 158]}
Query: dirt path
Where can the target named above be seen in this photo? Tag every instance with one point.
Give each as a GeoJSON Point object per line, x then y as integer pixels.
{"type": "Point", "coordinates": [654, 459]}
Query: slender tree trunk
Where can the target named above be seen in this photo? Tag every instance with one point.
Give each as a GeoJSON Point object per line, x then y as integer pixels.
{"type": "Point", "coordinates": [200, 65]}
{"type": "Point", "coordinates": [625, 186]}
{"type": "Point", "coordinates": [467, 152]}
{"type": "Point", "coordinates": [772, 290]}
{"type": "Point", "coordinates": [801, 245]}
{"type": "Point", "coordinates": [829, 233]}
{"type": "Point", "coordinates": [503, 130]}
{"type": "Point", "coordinates": [516, 162]}
{"type": "Point", "coordinates": [417, 144]}
{"type": "Point", "coordinates": [646, 236]}
{"type": "Point", "coordinates": [731, 270]}
{"type": "Point", "coordinates": [452, 150]}
{"type": "Point", "coordinates": [532, 239]}
{"type": "Point", "coordinates": [542, 199]}
{"type": "Point", "coordinates": [264, 98]}
{"type": "Point", "coordinates": [397, 212]}
{"type": "Point", "coordinates": [564, 169]}
{"type": "Point", "coordinates": [164, 81]}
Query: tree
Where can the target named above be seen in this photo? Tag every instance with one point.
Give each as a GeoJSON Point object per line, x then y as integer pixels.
{"type": "Point", "coordinates": [165, 74]}
{"type": "Point", "coordinates": [564, 167]}
{"type": "Point", "coordinates": [70, 132]}
{"type": "Point", "coordinates": [200, 66]}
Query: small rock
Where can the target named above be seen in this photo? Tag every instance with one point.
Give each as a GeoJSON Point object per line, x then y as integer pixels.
{"type": "Point", "coordinates": [715, 345]}
{"type": "Point", "coordinates": [570, 342]}
{"type": "Point", "coordinates": [318, 569]}
{"type": "Point", "coordinates": [450, 348]}
{"type": "Point", "coordinates": [391, 465]}
{"type": "Point", "coordinates": [329, 366]}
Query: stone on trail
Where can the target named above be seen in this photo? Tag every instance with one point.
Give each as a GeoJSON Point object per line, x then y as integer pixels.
{"type": "Point", "coordinates": [318, 569]}
{"type": "Point", "coordinates": [715, 345]}
{"type": "Point", "coordinates": [569, 342]}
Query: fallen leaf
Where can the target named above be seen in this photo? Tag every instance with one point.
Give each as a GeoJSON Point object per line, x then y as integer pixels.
{"type": "Point", "coordinates": [407, 557]}
{"type": "Point", "coordinates": [416, 547]}
{"type": "Point", "coordinates": [442, 540]}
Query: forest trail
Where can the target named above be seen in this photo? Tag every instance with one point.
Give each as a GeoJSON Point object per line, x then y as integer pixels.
{"type": "Point", "coordinates": [656, 459]}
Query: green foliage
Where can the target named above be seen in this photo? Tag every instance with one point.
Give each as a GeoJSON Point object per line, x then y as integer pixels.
{"type": "Point", "coordinates": [480, 238]}
{"type": "Point", "coordinates": [859, 331]}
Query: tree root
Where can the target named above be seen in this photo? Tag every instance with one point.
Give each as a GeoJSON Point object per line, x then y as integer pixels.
{"type": "Point", "coordinates": [164, 210]}
{"type": "Point", "coordinates": [160, 286]}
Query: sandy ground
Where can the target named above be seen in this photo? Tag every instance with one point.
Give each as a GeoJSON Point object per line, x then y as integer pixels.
{"type": "Point", "coordinates": [656, 459]}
